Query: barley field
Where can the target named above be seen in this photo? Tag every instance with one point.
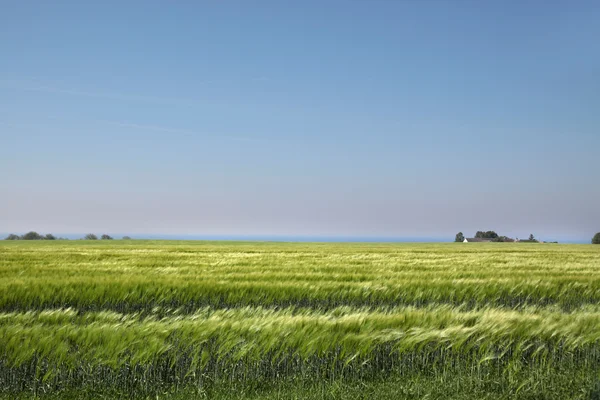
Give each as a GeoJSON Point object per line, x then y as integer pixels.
{"type": "Point", "coordinates": [227, 320]}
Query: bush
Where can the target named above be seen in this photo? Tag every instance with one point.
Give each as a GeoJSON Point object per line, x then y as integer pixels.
{"type": "Point", "coordinates": [91, 236]}
{"type": "Point", "coordinates": [105, 237]}
{"type": "Point", "coordinates": [596, 238]}
{"type": "Point", "coordinates": [12, 236]}
{"type": "Point", "coordinates": [503, 239]}
{"type": "Point", "coordinates": [486, 235]}
{"type": "Point", "coordinates": [32, 236]}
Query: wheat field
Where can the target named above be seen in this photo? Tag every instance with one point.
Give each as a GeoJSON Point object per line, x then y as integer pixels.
{"type": "Point", "coordinates": [187, 319]}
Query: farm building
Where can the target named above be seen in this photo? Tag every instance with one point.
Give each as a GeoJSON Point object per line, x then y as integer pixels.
{"type": "Point", "coordinates": [476, 240]}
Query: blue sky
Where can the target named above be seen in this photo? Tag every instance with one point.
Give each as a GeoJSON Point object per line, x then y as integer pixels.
{"type": "Point", "coordinates": [313, 118]}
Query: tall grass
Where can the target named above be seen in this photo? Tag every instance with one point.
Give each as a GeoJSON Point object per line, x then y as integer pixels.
{"type": "Point", "coordinates": [148, 317]}
{"type": "Point", "coordinates": [131, 277]}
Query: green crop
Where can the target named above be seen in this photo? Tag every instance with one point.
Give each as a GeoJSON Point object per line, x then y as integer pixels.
{"type": "Point", "coordinates": [148, 317]}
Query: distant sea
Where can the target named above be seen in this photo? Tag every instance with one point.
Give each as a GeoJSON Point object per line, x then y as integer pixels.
{"type": "Point", "coordinates": [277, 238]}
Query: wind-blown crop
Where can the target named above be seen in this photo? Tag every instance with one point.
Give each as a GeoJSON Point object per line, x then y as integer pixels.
{"type": "Point", "coordinates": [143, 317]}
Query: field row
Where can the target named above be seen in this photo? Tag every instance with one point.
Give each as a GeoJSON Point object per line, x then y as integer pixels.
{"type": "Point", "coordinates": [63, 346]}
{"type": "Point", "coordinates": [144, 318]}
{"type": "Point", "coordinates": [129, 278]}
{"type": "Point", "coordinates": [145, 294]}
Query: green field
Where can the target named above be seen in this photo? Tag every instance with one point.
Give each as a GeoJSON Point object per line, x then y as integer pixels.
{"type": "Point", "coordinates": [179, 320]}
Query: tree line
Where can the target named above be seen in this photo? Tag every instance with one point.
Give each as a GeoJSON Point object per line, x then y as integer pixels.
{"type": "Point", "coordinates": [491, 235]}
{"type": "Point", "coordinates": [494, 237]}
{"type": "Point", "coordinates": [37, 236]}
{"type": "Point", "coordinates": [460, 237]}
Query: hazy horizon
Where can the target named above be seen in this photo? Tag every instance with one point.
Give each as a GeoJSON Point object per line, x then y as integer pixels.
{"type": "Point", "coordinates": [336, 119]}
{"type": "Point", "coordinates": [291, 238]}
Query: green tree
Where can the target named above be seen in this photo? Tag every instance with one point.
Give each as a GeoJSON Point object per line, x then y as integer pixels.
{"type": "Point", "coordinates": [91, 236]}
{"type": "Point", "coordinates": [32, 236]}
{"type": "Point", "coordinates": [596, 238]}
{"type": "Point", "coordinates": [459, 237]}
{"type": "Point", "coordinates": [126, 238]}
{"type": "Point", "coordinates": [531, 237]}
{"type": "Point", "coordinates": [105, 237]}
{"type": "Point", "coordinates": [486, 235]}
{"type": "Point", "coordinates": [49, 237]}
{"type": "Point", "coordinates": [12, 236]}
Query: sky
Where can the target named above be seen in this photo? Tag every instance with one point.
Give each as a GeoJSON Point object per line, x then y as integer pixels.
{"type": "Point", "coordinates": [310, 118]}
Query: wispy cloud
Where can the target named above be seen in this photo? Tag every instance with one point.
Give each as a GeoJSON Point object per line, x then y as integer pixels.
{"type": "Point", "coordinates": [34, 86]}
{"type": "Point", "coordinates": [29, 86]}
{"type": "Point", "coordinates": [8, 124]}
{"type": "Point", "coordinates": [176, 131]}
{"type": "Point", "coordinates": [181, 133]}
{"type": "Point", "coordinates": [19, 125]}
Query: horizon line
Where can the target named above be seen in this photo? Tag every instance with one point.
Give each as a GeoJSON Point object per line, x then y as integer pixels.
{"type": "Point", "coordinates": [284, 238]}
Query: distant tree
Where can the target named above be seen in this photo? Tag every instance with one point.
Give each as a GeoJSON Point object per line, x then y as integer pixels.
{"type": "Point", "coordinates": [459, 237]}
{"type": "Point", "coordinates": [12, 236]}
{"type": "Point", "coordinates": [105, 237]}
{"type": "Point", "coordinates": [596, 238]}
{"type": "Point", "coordinates": [49, 237]}
{"type": "Point", "coordinates": [126, 238]}
{"type": "Point", "coordinates": [531, 239]}
{"type": "Point", "coordinates": [503, 239]}
{"type": "Point", "coordinates": [91, 236]}
{"type": "Point", "coordinates": [486, 235]}
{"type": "Point", "coordinates": [32, 236]}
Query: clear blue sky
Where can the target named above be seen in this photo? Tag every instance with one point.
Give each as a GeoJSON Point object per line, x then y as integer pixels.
{"type": "Point", "coordinates": [345, 118]}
